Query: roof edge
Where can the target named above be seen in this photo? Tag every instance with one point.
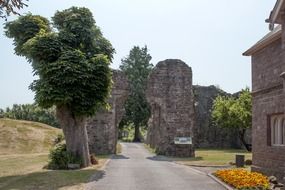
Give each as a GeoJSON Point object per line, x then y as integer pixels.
{"type": "Point", "coordinates": [268, 39]}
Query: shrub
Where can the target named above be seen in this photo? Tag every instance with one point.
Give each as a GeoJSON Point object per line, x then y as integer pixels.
{"type": "Point", "coordinates": [60, 158]}
{"type": "Point", "coordinates": [242, 179]}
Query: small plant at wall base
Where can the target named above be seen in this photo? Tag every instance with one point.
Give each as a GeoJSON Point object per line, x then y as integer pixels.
{"type": "Point", "coordinates": [229, 112]}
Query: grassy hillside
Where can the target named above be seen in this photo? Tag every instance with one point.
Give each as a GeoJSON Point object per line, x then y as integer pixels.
{"type": "Point", "coordinates": [24, 148]}
{"type": "Point", "coordinates": [25, 137]}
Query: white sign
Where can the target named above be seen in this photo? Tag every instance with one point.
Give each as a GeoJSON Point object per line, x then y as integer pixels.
{"type": "Point", "coordinates": [182, 140]}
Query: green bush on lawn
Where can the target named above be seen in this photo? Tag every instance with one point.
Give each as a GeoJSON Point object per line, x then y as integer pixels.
{"type": "Point", "coordinates": [60, 158]}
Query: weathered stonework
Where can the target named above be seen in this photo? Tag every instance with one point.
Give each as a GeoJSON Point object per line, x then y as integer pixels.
{"type": "Point", "coordinates": [207, 134]}
{"type": "Point", "coordinates": [103, 128]}
{"type": "Point", "coordinates": [169, 93]}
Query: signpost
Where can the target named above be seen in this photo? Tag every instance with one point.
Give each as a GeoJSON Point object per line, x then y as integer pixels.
{"type": "Point", "coordinates": [182, 140]}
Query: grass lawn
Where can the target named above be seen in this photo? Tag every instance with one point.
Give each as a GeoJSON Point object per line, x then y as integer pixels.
{"type": "Point", "coordinates": [25, 137]}
{"type": "Point", "coordinates": [208, 157]}
{"type": "Point", "coordinates": [24, 147]}
{"type": "Point", "coordinates": [26, 172]}
{"type": "Point", "coordinates": [213, 157]}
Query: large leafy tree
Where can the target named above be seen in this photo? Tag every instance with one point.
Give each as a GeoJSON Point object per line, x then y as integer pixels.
{"type": "Point", "coordinates": [8, 7]}
{"type": "Point", "coordinates": [137, 67]}
{"type": "Point", "coordinates": [230, 112]}
{"type": "Point", "coordinates": [71, 60]}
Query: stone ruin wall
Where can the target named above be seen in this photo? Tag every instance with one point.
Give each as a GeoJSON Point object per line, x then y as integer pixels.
{"type": "Point", "coordinates": [169, 93]}
{"type": "Point", "coordinates": [207, 134]}
{"type": "Point", "coordinates": [103, 128]}
{"type": "Point", "coordinates": [103, 132]}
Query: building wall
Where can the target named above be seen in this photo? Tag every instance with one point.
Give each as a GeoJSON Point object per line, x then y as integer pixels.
{"type": "Point", "coordinates": [268, 99]}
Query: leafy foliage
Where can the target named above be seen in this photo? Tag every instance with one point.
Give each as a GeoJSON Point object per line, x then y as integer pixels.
{"type": "Point", "coordinates": [127, 132]}
{"type": "Point", "coordinates": [71, 59]}
{"type": "Point", "coordinates": [72, 63]}
{"type": "Point", "coordinates": [60, 158]}
{"type": "Point", "coordinates": [229, 112]}
{"type": "Point", "coordinates": [8, 7]}
{"type": "Point", "coordinates": [25, 28]}
{"type": "Point", "coordinates": [31, 112]}
{"type": "Point", "coordinates": [137, 67]}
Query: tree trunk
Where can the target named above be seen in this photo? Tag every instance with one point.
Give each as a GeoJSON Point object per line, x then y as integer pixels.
{"type": "Point", "coordinates": [74, 129]}
{"type": "Point", "coordinates": [242, 139]}
{"type": "Point", "coordinates": [137, 134]}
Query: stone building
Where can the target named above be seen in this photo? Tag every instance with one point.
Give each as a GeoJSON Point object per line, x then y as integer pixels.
{"type": "Point", "coordinates": [268, 90]}
{"type": "Point", "coordinates": [169, 93]}
{"type": "Point", "coordinates": [103, 128]}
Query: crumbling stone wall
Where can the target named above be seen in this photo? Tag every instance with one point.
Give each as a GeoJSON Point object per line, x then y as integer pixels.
{"type": "Point", "coordinates": [103, 128]}
{"type": "Point", "coordinates": [169, 93]}
{"type": "Point", "coordinates": [208, 135]}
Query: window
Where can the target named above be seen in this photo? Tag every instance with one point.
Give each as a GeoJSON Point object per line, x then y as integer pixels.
{"type": "Point", "coordinates": [278, 130]}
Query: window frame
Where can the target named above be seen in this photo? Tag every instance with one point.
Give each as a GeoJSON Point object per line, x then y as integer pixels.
{"type": "Point", "coordinates": [277, 130]}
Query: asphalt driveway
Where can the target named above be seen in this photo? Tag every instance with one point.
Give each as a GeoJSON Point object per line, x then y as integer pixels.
{"type": "Point", "coordinates": [137, 169]}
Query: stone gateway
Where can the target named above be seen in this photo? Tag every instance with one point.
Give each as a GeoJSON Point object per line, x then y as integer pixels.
{"type": "Point", "coordinates": [103, 128]}
{"type": "Point", "coordinates": [170, 95]}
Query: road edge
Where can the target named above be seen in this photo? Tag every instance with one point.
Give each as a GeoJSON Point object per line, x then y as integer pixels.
{"type": "Point", "coordinates": [89, 184]}
{"type": "Point", "coordinates": [226, 186]}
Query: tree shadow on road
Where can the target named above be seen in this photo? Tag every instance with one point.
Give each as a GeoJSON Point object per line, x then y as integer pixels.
{"type": "Point", "coordinates": [98, 175]}
{"type": "Point", "coordinates": [172, 159]}
{"type": "Point", "coordinates": [119, 156]}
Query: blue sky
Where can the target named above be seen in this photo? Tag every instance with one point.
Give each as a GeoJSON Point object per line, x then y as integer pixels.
{"type": "Point", "coordinates": [210, 36]}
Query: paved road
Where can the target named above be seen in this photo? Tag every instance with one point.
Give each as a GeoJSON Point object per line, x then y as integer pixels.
{"type": "Point", "coordinates": [137, 169]}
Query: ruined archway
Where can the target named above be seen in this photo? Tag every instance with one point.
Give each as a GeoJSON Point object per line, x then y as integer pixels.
{"type": "Point", "coordinates": [170, 95]}
{"type": "Point", "coordinates": [103, 128]}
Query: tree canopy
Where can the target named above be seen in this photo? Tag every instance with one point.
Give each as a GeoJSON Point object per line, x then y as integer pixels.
{"type": "Point", "coordinates": [72, 64]}
{"type": "Point", "coordinates": [137, 67]}
{"type": "Point", "coordinates": [71, 58]}
{"type": "Point", "coordinates": [230, 112]}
